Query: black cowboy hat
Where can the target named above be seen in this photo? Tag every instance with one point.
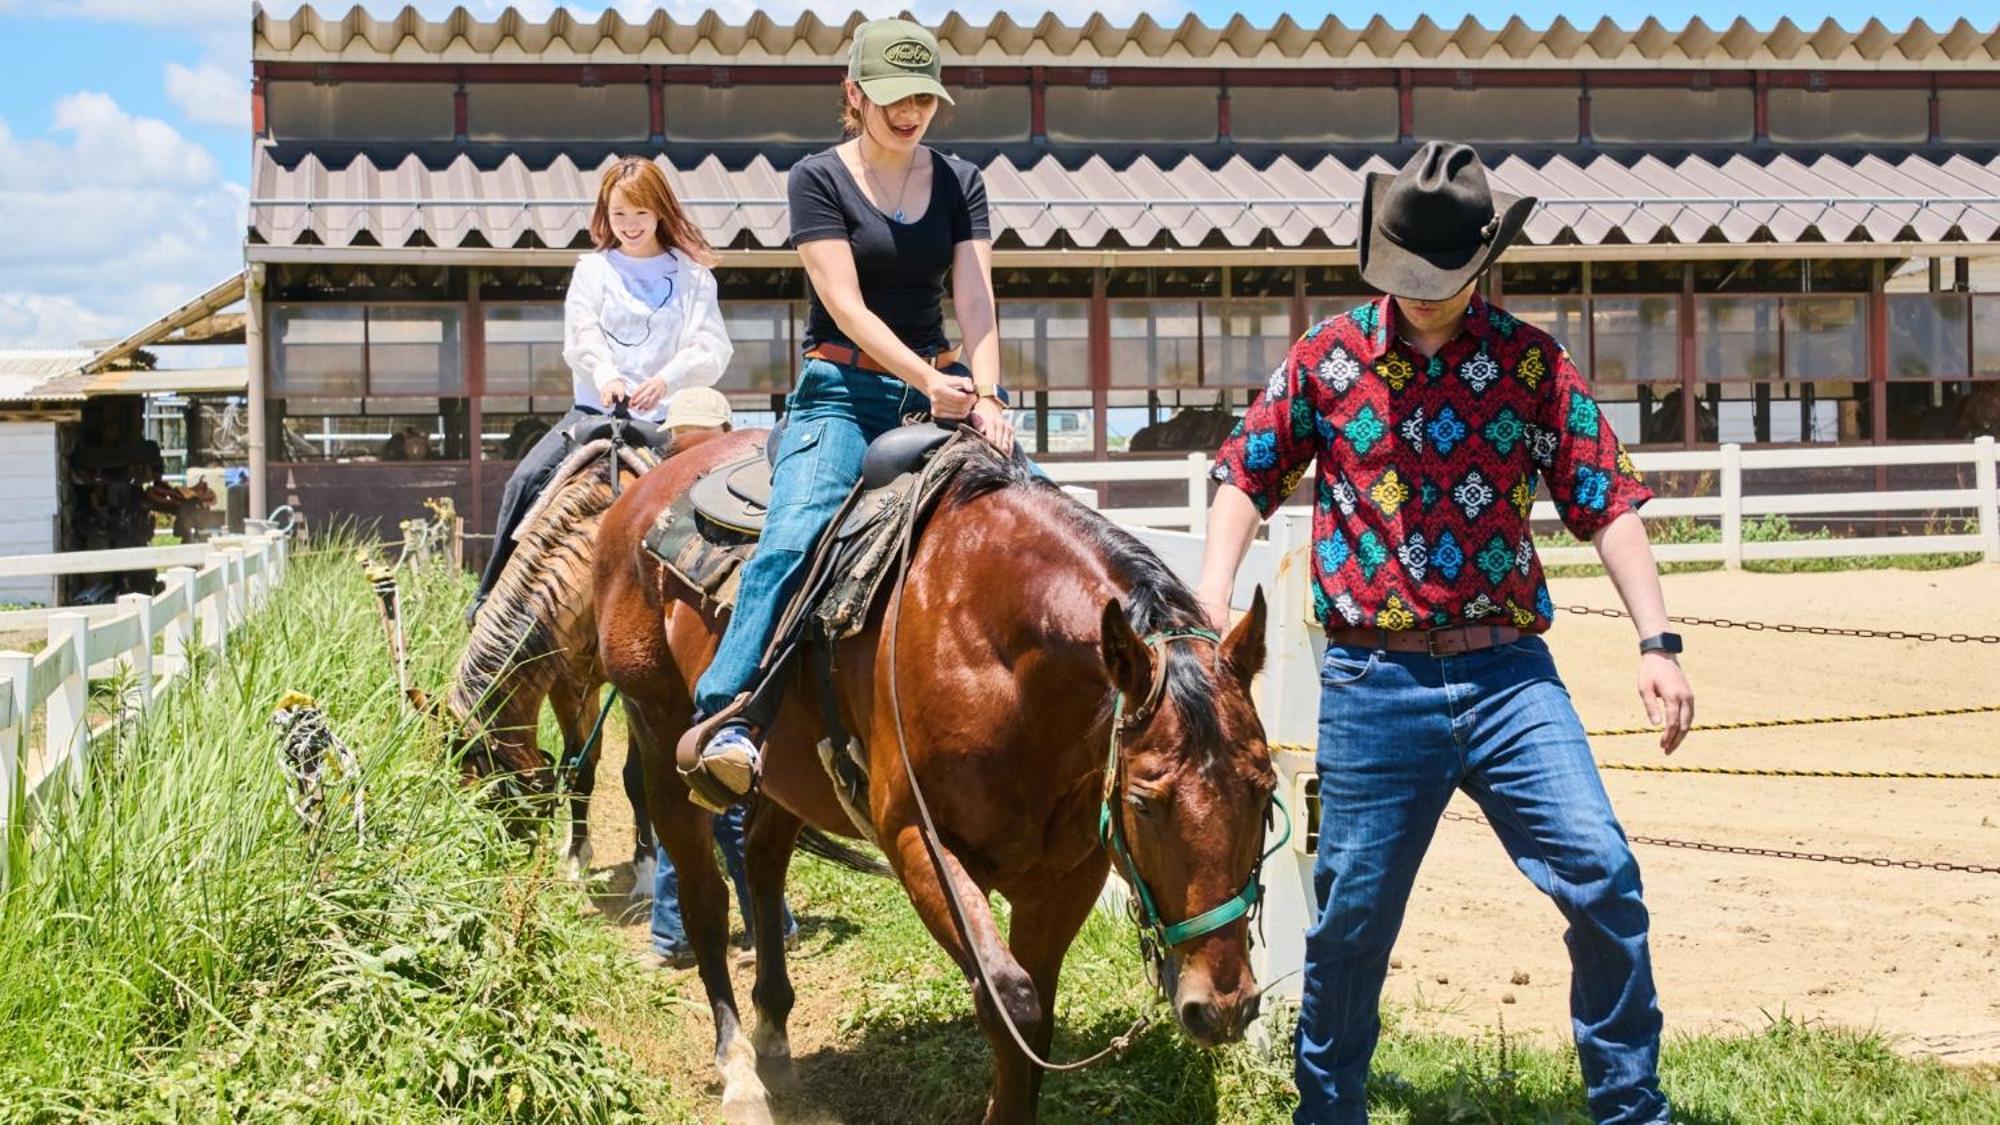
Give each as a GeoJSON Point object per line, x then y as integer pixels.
{"type": "Point", "coordinates": [1432, 227]}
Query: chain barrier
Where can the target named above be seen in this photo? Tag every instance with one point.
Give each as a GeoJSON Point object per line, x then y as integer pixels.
{"type": "Point", "coordinates": [1783, 853]}
{"type": "Point", "coordinates": [1808, 630]}
{"type": "Point", "coordinates": [1817, 720]}
{"type": "Point", "coordinates": [1744, 771]}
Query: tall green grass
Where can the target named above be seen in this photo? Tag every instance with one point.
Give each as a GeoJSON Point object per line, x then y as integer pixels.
{"type": "Point", "coordinates": [178, 945]}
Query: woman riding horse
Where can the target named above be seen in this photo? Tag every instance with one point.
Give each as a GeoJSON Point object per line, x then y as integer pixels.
{"type": "Point", "coordinates": [879, 221]}
{"type": "Point", "coordinates": [640, 323]}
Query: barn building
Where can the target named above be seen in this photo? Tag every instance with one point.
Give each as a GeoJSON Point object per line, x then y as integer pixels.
{"type": "Point", "coordinates": [1769, 237]}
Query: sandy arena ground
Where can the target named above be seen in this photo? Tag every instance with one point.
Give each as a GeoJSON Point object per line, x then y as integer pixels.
{"type": "Point", "coordinates": [1915, 954]}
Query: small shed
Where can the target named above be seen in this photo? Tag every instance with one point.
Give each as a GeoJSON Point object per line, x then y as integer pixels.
{"type": "Point", "coordinates": [30, 470]}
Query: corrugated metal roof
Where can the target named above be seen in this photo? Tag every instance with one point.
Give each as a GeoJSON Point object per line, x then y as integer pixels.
{"type": "Point", "coordinates": [24, 371]}
{"type": "Point", "coordinates": [1182, 204]}
{"type": "Point", "coordinates": [357, 36]}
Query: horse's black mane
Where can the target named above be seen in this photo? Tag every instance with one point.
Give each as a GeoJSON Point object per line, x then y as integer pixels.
{"type": "Point", "coordinates": [1156, 599]}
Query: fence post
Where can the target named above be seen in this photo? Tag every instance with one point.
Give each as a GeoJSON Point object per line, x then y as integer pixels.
{"type": "Point", "coordinates": [236, 587]}
{"type": "Point", "coordinates": [260, 581]}
{"type": "Point", "coordinates": [69, 718]}
{"type": "Point", "coordinates": [174, 644]}
{"type": "Point", "coordinates": [211, 614]}
{"type": "Point", "coordinates": [1197, 495]}
{"type": "Point", "coordinates": [142, 657]}
{"type": "Point", "coordinates": [1732, 507]}
{"type": "Point", "coordinates": [16, 668]}
{"type": "Point", "coordinates": [1983, 474]}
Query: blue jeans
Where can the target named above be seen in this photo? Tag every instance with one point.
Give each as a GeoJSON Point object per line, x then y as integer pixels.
{"type": "Point", "coordinates": [833, 413]}
{"type": "Point", "coordinates": [1398, 733]}
{"type": "Point", "coordinates": [669, 936]}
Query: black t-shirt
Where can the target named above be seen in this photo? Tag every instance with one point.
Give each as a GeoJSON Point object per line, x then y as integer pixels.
{"type": "Point", "coordinates": [902, 266]}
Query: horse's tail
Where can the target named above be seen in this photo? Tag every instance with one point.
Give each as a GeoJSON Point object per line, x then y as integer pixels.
{"type": "Point", "coordinates": [814, 842]}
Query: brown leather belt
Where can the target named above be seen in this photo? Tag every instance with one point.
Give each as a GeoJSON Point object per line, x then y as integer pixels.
{"type": "Point", "coordinates": [855, 357]}
{"type": "Point", "coordinates": [1450, 641]}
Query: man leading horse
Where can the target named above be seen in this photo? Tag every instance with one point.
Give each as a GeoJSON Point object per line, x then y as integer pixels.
{"type": "Point", "coordinates": [1430, 416]}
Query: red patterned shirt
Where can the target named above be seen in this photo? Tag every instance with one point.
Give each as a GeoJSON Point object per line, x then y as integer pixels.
{"type": "Point", "coordinates": [1427, 468]}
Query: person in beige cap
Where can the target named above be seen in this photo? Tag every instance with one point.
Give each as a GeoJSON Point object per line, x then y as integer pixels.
{"type": "Point", "coordinates": [880, 221]}
{"type": "Point", "coordinates": [697, 408]}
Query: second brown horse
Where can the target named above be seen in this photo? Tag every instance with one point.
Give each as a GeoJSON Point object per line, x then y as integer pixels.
{"type": "Point", "coordinates": [1022, 623]}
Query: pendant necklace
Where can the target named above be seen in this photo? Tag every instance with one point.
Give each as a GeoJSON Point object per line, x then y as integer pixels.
{"type": "Point", "coordinates": [901, 190]}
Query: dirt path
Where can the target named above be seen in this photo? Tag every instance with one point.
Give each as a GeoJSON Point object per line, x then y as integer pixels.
{"type": "Point", "coordinates": [1915, 954]}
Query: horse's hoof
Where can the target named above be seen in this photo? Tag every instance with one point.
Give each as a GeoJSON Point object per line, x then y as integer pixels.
{"type": "Point", "coordinates": [744, 1099]}
{"type": "Point", "coordinates": [747, 1110]}
{"type": "Point", "coordinates": [780, 1074]}
{"type": "Point", "coordinates": [643, 873]}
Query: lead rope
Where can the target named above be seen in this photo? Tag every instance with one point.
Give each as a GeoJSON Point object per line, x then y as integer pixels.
{"type": "Point", "coordinates": [932, 842]}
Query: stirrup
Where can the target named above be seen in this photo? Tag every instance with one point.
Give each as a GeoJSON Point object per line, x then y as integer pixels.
{"type": "Point", "coordinates": [704, 789]}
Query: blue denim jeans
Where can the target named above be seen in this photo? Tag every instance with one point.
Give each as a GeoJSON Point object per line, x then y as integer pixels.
{"type": "Point", "coordinates": [1399, 732]}
{"type": "Point", "coordinates": [833, 414]}
{"type": "Point", "coordinates": [669, 936]}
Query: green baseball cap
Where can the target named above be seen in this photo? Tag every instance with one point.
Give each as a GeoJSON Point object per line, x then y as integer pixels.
{"type": "Point", "coordinates": [893, 59]}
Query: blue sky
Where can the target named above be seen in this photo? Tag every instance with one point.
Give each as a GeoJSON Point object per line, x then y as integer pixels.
{"type": "Point", "coordinates": [124, 147]}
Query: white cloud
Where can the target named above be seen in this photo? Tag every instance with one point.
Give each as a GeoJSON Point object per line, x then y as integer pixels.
{"type": "Point", "coordinates": [210, 94]}
{"type": "Point", "coordinates": [112, 220]}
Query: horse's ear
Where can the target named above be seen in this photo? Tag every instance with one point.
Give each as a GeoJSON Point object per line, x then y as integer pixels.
{"type": "Point", "coordinates": [1243, 648]}
{"type": "Point", "coordinates": [1125, 655]}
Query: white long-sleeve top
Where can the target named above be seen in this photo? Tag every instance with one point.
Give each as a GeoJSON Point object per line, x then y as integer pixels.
{"type": "Point", "coordinates": [609, 333]}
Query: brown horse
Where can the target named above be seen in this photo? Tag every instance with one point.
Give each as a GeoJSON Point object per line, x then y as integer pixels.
{"type": "Point", "coordinates": [535, 640]}
{"type": "Point", "coordinates": [1020, 627]}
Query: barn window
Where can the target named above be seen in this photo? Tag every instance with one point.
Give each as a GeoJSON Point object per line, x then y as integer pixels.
{"type": "Point", "coordinates": [1638, 116]}
{"type": "Point", "coordinates": [1849, 116]}
{"type": "Point", "coordinates": [359, 111]}
{"type": "Point", "coordinates": [1135, 114]}
{"type": "Point", "coordinates": [545, 111]}
{"type": "Point", "coordinates": [1308, 115]}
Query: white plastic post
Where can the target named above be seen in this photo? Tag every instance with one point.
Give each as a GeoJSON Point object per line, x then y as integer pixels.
{"type": "Point", "coordinates": [142, 657]}
{"type": "Point", "coordinates": [1732, 507]}
{"type": "Point", "coordinates": [1288, 701]}
{"type": "Point", "coordinates": [68, 717]}
{"type": "Point", "coordinates": [1983, 474]}
{"type": "Point", "coordinates": [1197, 494]}
{"type": "Point", "coordinates": [15, 669]}
{"type": "Point", "coordinates": [211, 613]}
{"type": "Point", "coordinates": [180, 630]}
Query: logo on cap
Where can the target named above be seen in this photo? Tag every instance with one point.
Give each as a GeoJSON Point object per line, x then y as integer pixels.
{"type": "Point", "coordinates": [908, 54]}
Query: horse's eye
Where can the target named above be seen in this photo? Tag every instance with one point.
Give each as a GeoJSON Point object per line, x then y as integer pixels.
{"type": "Point", "coordinates": [1142, 803]}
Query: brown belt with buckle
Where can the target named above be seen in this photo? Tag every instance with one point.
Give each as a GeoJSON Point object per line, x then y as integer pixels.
{"type": "Point", "coordinates": [854, 357]}
{"type": "Point", "coordinates": [1450, 641]}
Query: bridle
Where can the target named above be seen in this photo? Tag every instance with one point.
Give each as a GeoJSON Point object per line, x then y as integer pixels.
{"type": "Point", "coordinates": [1157, 938]}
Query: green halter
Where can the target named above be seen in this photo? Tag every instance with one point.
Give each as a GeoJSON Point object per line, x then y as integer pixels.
{"type": "Point", "coordinates": [1111, 835]}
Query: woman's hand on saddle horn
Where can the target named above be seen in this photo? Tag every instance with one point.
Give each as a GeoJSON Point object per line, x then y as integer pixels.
{"type": "Point", "coordinates": [950, 395]}
{"type": "Point", "coordinates": [649, 393]}
{"type": "Point", "coordinates": [989, 417]}
{"type": "Point", "coordinates": [614, 392]}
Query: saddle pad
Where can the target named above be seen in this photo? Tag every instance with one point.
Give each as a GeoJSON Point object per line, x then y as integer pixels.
{"type": "Point", "coordinates": [687, 547]}
{"type": "Point", "coordinates": [735, 495]}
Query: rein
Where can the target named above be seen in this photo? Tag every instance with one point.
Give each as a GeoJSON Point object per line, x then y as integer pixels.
{"type": "Point", "coordinates": [1156, 938]}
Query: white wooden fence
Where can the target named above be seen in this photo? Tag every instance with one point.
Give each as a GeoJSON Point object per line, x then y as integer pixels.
{"type": "Point", "coordinates": [1730, 504]}
{"type": "Point", "coordinates": [200, 607]}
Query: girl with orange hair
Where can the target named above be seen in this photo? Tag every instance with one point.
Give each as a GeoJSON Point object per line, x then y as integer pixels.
{"type": "Point", "coordinates": [640, 324]}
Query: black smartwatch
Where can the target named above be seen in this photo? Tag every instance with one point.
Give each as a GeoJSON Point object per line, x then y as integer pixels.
{"type": "Point", "coordinates": [1669, 643]}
